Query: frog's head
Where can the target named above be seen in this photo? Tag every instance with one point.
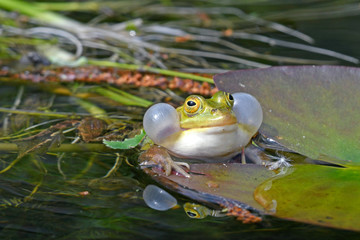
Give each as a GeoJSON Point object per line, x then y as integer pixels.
{"type": "Point", "coordinates": [198, 112]}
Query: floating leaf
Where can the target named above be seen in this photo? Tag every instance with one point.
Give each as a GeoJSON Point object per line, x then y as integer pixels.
{"type": "Point", "coordinates": [315, 194]}
{"type": "Point", "coordinates": [313, 110]}
{"type": "Point", "coordinates": [127, 143]}
{"type": "Point", "coordinates": [218, 183]}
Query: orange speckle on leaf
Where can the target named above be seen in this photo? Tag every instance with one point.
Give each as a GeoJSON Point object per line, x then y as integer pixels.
{"type": "Point", "coordinates": [212, 184]}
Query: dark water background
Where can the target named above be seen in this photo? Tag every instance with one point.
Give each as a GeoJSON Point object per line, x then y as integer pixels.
{"type": "Point", "coordinates": [115, 209]}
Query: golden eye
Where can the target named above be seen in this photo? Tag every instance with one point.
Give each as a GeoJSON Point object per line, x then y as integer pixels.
{"type": "Point", "coordinates": [192, 104]}
{"type": "Point", "coordinates": [192, 213]}
{"type": "Point", "coordinates": [229, 99]}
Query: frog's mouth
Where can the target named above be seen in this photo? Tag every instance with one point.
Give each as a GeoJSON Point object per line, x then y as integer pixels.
{"type": "Point", "coordinates": [222, 129]}
{"type": "Point", "coordinates": [211, 121]}
{"type": "Point", "coordinates": [208, 127]}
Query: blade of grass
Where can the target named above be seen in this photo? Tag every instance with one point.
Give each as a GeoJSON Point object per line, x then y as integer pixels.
{"type": "Point", "coordinates": [65, 147]}
{"type": "Point", "coordinates": [123, 99]}
{"type": "Point", "coordinates": [45, 114]}
{"type": "Point", "coordinates": [137, 99]}
{"type": "Point", "coordinates": [91, 108]}
{"type": "Point", "coordinates": [37, 13]}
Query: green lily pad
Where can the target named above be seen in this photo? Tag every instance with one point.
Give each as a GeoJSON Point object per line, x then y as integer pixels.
{"type": "Point", "coordinates": [314, 194]}
{"type": "Point", "coordinates": [312, 110]}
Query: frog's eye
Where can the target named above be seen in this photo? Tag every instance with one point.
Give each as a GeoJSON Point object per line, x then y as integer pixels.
{"type": "Point", "coordinates": [192, 104]}
{"type": "Point", "coordinates": [194, 210]}
{"type": "Point", "coordinates": [192, 213]}
{"type": "Point", "coordinates": [229, 99]}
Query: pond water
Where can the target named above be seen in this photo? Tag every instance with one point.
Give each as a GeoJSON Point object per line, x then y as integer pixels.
{"type": "Point", "coordinates": [82, 204]}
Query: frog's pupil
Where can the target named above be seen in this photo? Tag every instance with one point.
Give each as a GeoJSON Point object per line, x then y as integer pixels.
{"type": "Point", "coordinates": [231, 97]}
{"type": "Point", "coordinates": [191, 214]}
{"type": "Point", "coordinates": [191, 103]}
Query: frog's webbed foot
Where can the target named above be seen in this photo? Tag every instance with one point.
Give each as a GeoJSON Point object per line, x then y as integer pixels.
{"type": "Point", "coordinates": [176, 166]}
{"type": "Point", "coordinates": [157, 155]}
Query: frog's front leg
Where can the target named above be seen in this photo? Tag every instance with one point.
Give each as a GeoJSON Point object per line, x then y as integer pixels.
{"type": "Point", "coordinates": [159, 156]}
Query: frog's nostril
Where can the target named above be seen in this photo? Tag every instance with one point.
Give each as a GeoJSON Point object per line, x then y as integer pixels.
{"type": "Point", "coordinates": [213, 111]}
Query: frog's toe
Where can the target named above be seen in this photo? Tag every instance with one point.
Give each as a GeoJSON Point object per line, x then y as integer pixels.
{"type": "Point", "coordinates": [158, 156]}
{"type": "Point", "coordinates": [177, 166]}
{"type": "Point", "coordinates": [168, 165]}
{"type": "Point", "coordinates": [184, 164]}
{"type": "Point", "coordinates": [167, 168]}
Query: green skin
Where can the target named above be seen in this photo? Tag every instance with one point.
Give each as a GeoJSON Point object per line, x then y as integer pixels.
{"type": "Point", "coordinates": [216, 111]}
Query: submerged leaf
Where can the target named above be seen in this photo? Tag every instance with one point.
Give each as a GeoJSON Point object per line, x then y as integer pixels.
{"type": "Point", "coordinates": [127, 143]}
{"type": "Point", "coordinates": [313, 110]}
{"type": "Point", "coordinates": [315, 194]}
{"type": "Point", "coordinates": [41, 142]}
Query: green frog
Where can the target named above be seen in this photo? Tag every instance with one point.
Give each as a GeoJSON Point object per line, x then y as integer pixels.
{"type": "Point", "coordinates": [213, 130]}
{"type": "Point", "coordinates": [198, 211]}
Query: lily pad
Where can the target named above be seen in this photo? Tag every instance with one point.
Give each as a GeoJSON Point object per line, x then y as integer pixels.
{"type": "Point", "coordinates": [312, 110]}
{"type": "Point", "coordinates": [218, 183]}
{"type": "Point", "coordinates": [314, 194]}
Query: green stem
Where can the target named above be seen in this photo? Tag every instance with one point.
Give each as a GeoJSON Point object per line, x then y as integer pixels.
{"type": "Point", "coordinates": [69, 6]}
{"type": "Point", "coordinates": [44, 114]}
{"type": "Point", "coordinates": [93, 147]}
{"type": "Point", "coordinates": [32, 10]}
{"type": "Point", "coordinates": [149, 69]}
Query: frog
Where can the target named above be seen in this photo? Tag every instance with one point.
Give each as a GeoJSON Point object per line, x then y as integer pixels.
{"type": "Point", "coordinates": [211, 130]}
{"type": "Point", "coordinates": [198, 211]}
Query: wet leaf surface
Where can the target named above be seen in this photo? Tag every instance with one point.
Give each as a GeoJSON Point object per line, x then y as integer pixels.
{"type": "Point", "coordinates": [217, 183]}
{"type": "Point", "coordinates": [314, 194]}
{"type": "Point", "coordinates": [312, 110]}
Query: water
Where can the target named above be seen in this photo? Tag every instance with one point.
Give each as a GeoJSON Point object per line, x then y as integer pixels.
{"type": "Point", "coordinates": [87, 206]}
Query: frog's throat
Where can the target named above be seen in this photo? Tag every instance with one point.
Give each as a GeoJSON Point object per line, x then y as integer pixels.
{"type": "Point", "coordinates": [209, 144]}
